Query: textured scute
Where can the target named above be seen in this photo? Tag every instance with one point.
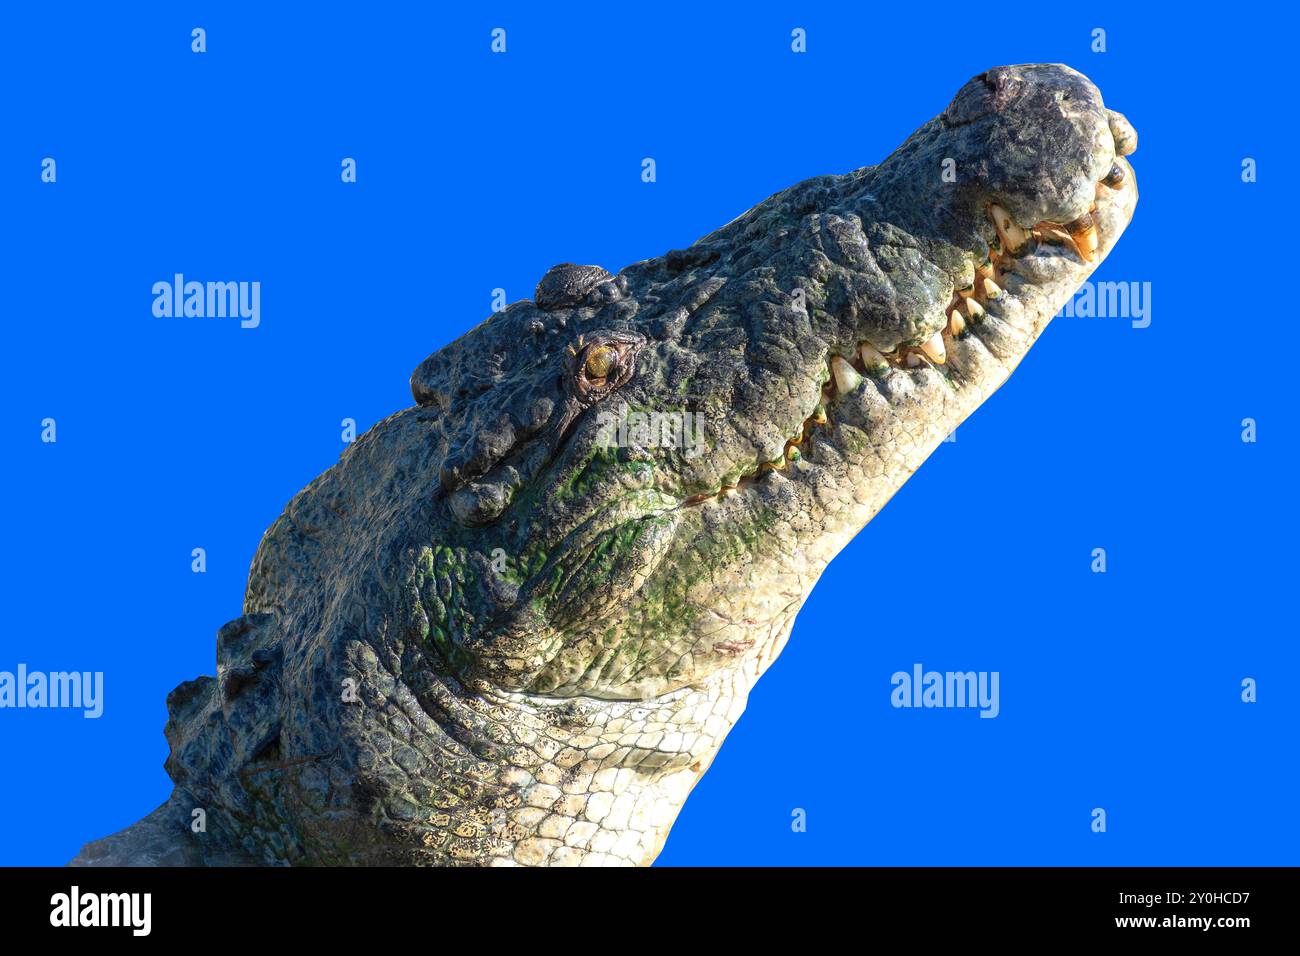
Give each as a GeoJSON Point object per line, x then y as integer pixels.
{"type": "Point", "coordinates": [567, 285]}
{"type": "Point", "coordinates": [491, 635]}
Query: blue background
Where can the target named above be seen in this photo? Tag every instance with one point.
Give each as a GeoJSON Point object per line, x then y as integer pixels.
{"type": "Point", "coordinates": [479, 171]}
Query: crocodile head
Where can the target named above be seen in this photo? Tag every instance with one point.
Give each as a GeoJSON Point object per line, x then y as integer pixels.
{"type": "Point", "coordinates": [552, 583]}
{"type": "Point", "coordinates": [668, 458]}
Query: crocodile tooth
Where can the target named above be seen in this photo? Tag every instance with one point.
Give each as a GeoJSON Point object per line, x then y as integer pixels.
{"type": "Point", "coordinates": [974, 311]}
{"type": "Point", "coordinates": [1052, 231]}
{"type": "Point", "coordinates": [933, 347]}
{"type": "Point", "coordinates": [1083, 233]}
{"type": "Point", "coordinates": [991, 290]}
{"type": "Point", "coordinates": [985, 271]}
{"type": "Point", "coordinates": [872, 359]}
{"type": "Point", "coordinates": [846, 376]}
{"type": "Point", "coordinates": [1010, 235]}
{"type": "Point", "coordinates": [956, 324]}
{"type": "Point", "coordinates": [793, 453]}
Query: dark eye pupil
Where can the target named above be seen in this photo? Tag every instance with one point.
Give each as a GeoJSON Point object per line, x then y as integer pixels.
{"type": "Point", "coordinates": [600, 362]}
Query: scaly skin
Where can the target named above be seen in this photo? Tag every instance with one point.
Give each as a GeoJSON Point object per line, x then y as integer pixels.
{"type": "Point", "coordinates": [490, 636]}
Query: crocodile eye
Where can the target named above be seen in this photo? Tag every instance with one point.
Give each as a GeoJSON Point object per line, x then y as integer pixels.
{"type": "Point", "coordinates": [600, 362]}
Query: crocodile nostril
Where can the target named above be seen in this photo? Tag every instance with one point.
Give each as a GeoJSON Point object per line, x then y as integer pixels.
{"type": "Point", "coordinates": [1115, 178]}
{"type": "Point", "coordinates": [1125, 136]}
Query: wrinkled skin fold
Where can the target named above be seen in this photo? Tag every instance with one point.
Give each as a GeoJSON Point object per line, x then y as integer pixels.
{"type": "Point", "coordinates": [515, 622]}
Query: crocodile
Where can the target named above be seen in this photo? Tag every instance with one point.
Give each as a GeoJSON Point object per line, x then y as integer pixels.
{"type": "Point", "coordinates": [513, 624]}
